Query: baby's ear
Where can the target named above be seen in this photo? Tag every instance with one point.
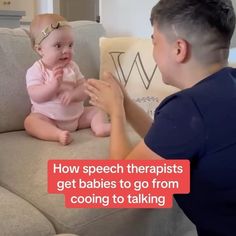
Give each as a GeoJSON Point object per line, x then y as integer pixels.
{"type": "Point", "coordinates": [37, 48]}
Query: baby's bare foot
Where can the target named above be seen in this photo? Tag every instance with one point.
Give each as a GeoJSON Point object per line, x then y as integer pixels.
{"type": "Point", "coordinates": [65, 137]}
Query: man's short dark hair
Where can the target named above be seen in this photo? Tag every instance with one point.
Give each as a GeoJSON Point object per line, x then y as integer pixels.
{"type": "Point", "coordinates": [192, 19]}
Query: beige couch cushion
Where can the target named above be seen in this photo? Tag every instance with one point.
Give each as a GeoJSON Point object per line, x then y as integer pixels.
{"type": "Point", "coordinates": [15, 56]}
{"type": "Point", "coordinates": [130, 60]}
{"type": "Point", "coordinates": [22, 218]}
{"type": "Point", "coordinates": [26, 175]}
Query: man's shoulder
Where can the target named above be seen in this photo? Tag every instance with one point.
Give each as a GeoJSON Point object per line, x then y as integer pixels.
{"type": "Point", "coordinates": [176, 99]}
{"type": "Point", "coordinates": [213, 81]}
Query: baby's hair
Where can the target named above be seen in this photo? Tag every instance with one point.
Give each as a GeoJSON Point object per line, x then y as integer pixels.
{"type": "Point", "coordinates": [40, 22]}
{"type": "Point", "coordinates": [205, 24]}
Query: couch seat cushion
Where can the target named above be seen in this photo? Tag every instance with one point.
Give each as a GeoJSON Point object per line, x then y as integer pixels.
{"type": "Point", "coordinates": [26, 159]}
{"type": "Point", "coordinates": [19, 218]}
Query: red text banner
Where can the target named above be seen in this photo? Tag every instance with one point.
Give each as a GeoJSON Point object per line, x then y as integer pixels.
{"type": "Point", "coordinates": [118, 184]}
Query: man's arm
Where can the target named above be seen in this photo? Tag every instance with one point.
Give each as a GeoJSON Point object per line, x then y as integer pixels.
{"type": "Point", "coordinates": [120, 145]}
{"type": "Point", "coordinates": [109, 97]}
{"type": "Point", "coordinates": [137, 117]}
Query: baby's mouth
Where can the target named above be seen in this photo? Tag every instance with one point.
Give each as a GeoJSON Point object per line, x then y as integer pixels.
{"type": "Point", "coordinates": [64, 59]}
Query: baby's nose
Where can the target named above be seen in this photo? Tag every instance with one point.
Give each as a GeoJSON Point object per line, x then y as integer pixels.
{"type": "Point", "coordinates": [66, 49]}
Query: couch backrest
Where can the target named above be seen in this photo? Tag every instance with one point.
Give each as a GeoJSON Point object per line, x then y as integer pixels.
{"type": "Point", "coordinates": [16, 56]}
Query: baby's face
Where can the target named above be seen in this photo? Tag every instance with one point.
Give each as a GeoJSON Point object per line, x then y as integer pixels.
{"type": "Point", "coordinates": [57, 48]}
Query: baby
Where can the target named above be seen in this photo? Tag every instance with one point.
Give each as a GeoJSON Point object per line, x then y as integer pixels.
{"type": "Point", "coordinates": [56, 86]}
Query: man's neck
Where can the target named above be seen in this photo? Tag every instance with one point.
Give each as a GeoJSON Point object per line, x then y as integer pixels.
{"type": "Point", "coordinates": [196, 74]}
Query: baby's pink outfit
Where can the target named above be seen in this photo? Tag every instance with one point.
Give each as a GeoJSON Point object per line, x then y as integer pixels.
{"type": "Point", "coordinates": [65, 116]}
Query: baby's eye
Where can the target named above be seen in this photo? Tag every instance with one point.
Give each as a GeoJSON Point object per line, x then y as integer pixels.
{"type": "Point", "coordinates": [71, 45]}
{"type": "Point", "coordinates": [58, 45]}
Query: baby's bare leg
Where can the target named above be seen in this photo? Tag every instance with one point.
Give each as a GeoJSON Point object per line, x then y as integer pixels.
{"type": "Point", "coordinates": [41, 127]}
{"type": "Point", "coordinates": [96, 119]}
{"type": "Point", "coordinates": [99, 124]}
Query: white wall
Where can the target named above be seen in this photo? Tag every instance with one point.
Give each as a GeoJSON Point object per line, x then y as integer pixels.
{"type": "Point", "coordinates": [47, 6]}
{"type": "Point", "coordinates": [131, 17]}
{"type": "Point", "coordinates": [120, 17]}
{"type": "Point", "coordinates": [127, 17]}
{"type": "Point", "coordinates": [233, 41]}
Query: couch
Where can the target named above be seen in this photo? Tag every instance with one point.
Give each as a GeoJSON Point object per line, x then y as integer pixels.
{"type": "Point", "coordinates": [26, 209]}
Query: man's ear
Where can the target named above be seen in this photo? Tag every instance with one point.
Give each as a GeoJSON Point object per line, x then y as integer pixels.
{"type": "Point", "coordinates": [181, 50]}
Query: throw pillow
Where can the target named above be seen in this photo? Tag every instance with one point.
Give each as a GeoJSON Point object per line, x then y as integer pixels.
{"type": "Point", "coordinates": [130, 60]}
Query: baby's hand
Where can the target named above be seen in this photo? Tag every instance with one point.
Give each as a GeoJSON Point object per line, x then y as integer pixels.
{"type": "Point", "coordinates": [66, 97]}
{"type": "Point", "coordinates": [57, 74]}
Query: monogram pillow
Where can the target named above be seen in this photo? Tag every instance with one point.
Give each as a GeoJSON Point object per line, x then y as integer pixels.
{"type": "Point", "coordinates": [130, 60]}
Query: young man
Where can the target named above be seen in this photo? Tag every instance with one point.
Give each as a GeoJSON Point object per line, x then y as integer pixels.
{"type": "Point", "coordinates": [191, 41]}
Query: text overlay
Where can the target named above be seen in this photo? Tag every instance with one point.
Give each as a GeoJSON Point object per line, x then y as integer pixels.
{"type": "Point", "coordinates": [118, 184]}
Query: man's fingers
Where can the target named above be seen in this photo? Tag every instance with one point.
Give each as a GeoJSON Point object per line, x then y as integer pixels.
{"type": "Point", "coordinates": [96, 104]}
{"type": "Point", "coordinates": [107, 75]}
{"type": "Point", "coordinates": [81, 81]}
{"type": "Point", "coordinates": [92, 89]}
{"type": "Point", "coordinates": [91, 95]}
{"type": "Point", "coordinates": [98, 84]}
